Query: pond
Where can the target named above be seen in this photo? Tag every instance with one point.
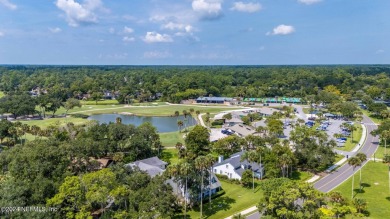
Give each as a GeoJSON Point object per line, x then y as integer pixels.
{"type": "Point", "coordinates": [162, 123]}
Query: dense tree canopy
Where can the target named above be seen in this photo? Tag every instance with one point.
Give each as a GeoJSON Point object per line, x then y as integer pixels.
{"type": "Point", "coordinates": [175, 83]}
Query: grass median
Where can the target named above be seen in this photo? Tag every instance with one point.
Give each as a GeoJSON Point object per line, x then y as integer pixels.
{"type": "Point", "coordinates": [375, 181]}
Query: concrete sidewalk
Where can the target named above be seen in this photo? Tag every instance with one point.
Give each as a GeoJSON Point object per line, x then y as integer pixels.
{"type": "Point", "coordinates": [244, 212]}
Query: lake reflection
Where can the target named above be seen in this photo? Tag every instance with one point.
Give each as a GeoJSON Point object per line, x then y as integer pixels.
{"type": "Point", "coordinates": [163, 123]}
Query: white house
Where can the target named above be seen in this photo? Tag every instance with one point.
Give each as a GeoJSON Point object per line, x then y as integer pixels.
{"type": "Point", "coordinates": [234, 167]}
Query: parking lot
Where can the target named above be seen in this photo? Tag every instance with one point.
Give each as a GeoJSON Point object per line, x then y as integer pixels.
{"type": "Point", "coordinates": [331, 128]}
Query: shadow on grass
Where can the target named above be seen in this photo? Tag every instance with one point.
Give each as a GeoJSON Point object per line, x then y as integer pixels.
{"type": "Point", "coordinates": [361, 189]}
{"type": "Point", "coordinates": [358, 191]}
{"type": "Point", "coordinates": [388, 198]}
{"type": "Point", "coordinates": [222, 203]}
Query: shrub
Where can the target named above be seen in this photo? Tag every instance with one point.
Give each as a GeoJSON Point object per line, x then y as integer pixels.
{"type": "Point", "coordinates": [217, 122]}
{"type": "Point", "coordinates": [79, 115]}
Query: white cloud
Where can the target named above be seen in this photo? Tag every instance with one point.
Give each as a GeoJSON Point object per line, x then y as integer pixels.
{"type": "Point", "coordinates": [309, 2]}
{"type": "Point", "coordinates": [77, 13]}
{"type": "Point", "coordinates": [55, 30]}
{"type": "Point", "coordinates": [282, 30]}
{"type": "Point", "coordinates": [154, 37]}
{"type": "Point", "coordinates": [208, 9]}
{"type": "Point", "coordinates": [128, 39]}
{"type": "Point", "coordinates": [1, 34]}
{"type": "Point", "coordinates": [177, 26]}
{"type": "Point", "coordinates": [246, 7]}
{"type": "Point", "coordinates": [8, 4]}
{"type": "Point", "coordinates": [128, 30]}
{"type": "Point", "coordinates": [157, 55]}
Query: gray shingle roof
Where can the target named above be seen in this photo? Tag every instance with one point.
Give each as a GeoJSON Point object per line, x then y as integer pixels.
{"type": "Point", "coordinates": [154, 161]}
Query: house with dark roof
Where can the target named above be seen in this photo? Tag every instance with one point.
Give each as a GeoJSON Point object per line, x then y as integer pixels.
{"type": "Point", "coordinates": [154, 166]}
{"type": "Point", "coordinates": [233, 167]}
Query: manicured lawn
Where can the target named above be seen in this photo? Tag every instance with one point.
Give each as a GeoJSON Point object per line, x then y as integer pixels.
{"type": "Point", "coordinates": [55, 121]}
{"type": "Point", "coordinates": [169, 155]}
{"type": "Point", "coordinates": [338, 158]}
{"type": "Point", "coordinates": [233, 201]}
{"type": "Point", "coordinates": [373, 118]}
{"type": "Point", "coordinates": [158, 110]}
{"type": "Point", "coordinates": [169, 139]}
{"type": "Point", "coordinates": [375, 180]}
{"type": "Point", "coordinates": [301, 176]}
{"type": "Point", "coordinates": [349, 145]}
{"type": "Point", "coordinates": [381, 151]}
{"type": "Point", "coordinates": [100, 102]}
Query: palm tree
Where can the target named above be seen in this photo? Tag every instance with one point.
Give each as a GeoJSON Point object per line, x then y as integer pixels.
{"type": "Point", "coordinates": [173, 171]}
{"type": "Point", "coordinates": [360, 204]}
{"type": "Point", "coordinates": [25, 129]}
{"type": "Point", "coordinates": [251, 156]}
{"type": "Point", "coordinates": [284, 161]}
{"type": "Point", "coordinates": [386, 159]}
{"type": "Point", "coordinates": [201, 165]}
{"type": "Point", "coordinates": [185, 169]}
{"type": "Point", "coordinates": [385, 135]}
{"type": "Point", "coordinates": [185, 113]}
{"type": "Point", "coordinates": [180, 124]}
{"type": "Point", "coordinates": [177, 114]}
{"type": "Point", "coordinates": [192, 112]}
{"type": "Point", "coordinates": [362, 157]}
{"type": "Point", "coordinates": [210, 162]}
{"type": "Point", "coordinates": [354, 162]}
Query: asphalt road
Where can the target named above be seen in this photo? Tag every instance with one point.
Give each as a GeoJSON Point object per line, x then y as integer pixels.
{"type": "Point", "coordinates": [338, 176]}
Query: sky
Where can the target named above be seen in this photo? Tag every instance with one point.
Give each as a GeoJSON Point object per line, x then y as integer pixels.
{"type": "Point", "coordinates": [194, 32]}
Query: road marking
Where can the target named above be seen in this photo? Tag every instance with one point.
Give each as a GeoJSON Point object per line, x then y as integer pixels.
{"type": "Point", "coordinates": [335, 177]}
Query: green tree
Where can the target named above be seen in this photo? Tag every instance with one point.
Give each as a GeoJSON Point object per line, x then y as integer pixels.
{"type": "Point", "coordinates": [227, 116]}
{"type": "Point", "coordinates": [18, 105]}
{"type": "Point", "coordinates": [275, 127]}
{"type": "Point", "coordinates": [362, 157]}
{"type": "Point", "coordinates": [54, 105]}
{"type": "Point", "coordinates": [70, 198]}
{"type": "Point", "coordinates": [209, 163]}
{"type": "Point", "coordinates": [360, 205]}
{"type": "Point", "coordinates": [186, 169]}
{"type": "Point", "coordinates": [5, 126]}
{"type": "Point", "coordinates": [386, 159]}
{"type": "Point", "coordinates": [201, 165]}
{"type": "Point", "coordinates": [247, 178]}
{"type": "Point", "coordinates": [228, 146]}
{"type": "Point", "coordinates": [197, 142]}
{"type": "Point", "coordinates": [180, 124]}
{"type": "Point", "coordinates": [96, 96]}
{"type": "Point", "coordinates": [354, 162]}
{"type": "Point", "coordinates": [70, 104]}
{"type": "Point", "coordinates": [280, 200]}
{"type": "Point", "coordinates": [384, 136]}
